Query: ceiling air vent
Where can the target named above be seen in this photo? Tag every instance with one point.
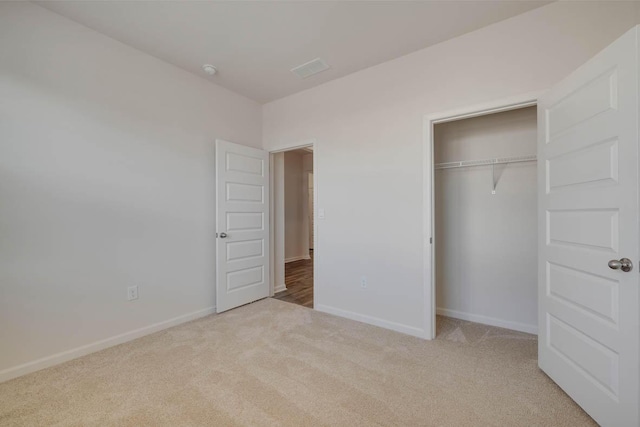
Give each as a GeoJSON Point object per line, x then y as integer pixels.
{"type": "Point", "coordinates": [310, 68]}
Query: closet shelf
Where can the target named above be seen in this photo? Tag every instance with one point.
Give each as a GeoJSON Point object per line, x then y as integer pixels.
{"type": "Point", "coordinates": [486, 162]}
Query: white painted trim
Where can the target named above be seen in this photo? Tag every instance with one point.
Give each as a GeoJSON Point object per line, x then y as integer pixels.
{"type": "Point", "coordinates": [276, 222]}
{"type": "Point", "coordinates": [296, 258]}
{"type": "Point", "coordinates": [294, 146]}
{"type": "Point", "coordinates": [429, 271]}
{"type": "Point", "coordinates": [280, 288]}
{"type": "Point", "coordinates": [56, 359]}
{"type": "Point", "coordinates": [310, 214]}
{"type": "Point", "coordinates": [491, 107]}
{"type": "Point", "coordinates": [486, 320]}
{"type": "Point", "coordinates": [375, 321]}
{"type": "Point", "coordinates": [428, 231]}
{"type": "Point", "coordinates": [272, 234]}
{"type": "Point", "coordinates": [317, 286]}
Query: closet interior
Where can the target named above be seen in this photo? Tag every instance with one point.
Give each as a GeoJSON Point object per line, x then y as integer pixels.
{"type": "Point", "coordinates": [485, 213]}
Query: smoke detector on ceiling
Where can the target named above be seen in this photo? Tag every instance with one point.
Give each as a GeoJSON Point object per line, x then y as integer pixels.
{"type": "Point", "coordinates": [209, 69]}
{"type": "Point", "coordinates": [310, 68]}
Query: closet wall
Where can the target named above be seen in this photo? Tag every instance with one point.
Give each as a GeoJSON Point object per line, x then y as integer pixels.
{"type": "Point", "coordinates": [486, 244]}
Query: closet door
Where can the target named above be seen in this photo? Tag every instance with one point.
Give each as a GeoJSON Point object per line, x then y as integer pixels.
{"type": "Point", "coordinates": [589, 237]}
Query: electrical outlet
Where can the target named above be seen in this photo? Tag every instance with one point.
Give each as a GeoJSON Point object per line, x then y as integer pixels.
{"type": "Point", "coordinates": [132, 293]}
{"type": "Point", "coordinates": [363, 282]}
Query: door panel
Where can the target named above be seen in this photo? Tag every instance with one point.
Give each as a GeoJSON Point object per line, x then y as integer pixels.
{"type": "Point", "coordinates": [588, 214]}
{"type": "Point", "coordinates": [242, 224]}
{"type": "Point", "coordinates": [596, 96]}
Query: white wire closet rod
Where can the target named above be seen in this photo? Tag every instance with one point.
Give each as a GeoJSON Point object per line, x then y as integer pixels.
{"type": "Point", "coordinates": [486, 162]}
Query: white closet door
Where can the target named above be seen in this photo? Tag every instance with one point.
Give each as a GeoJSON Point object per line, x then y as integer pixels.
{"type": "Point", "coordinates": [588, 215]}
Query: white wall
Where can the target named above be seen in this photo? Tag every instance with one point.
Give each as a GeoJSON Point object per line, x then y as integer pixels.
{"type": "Point", "coordinates": [487, 244]}
{"type": "Point", "coordinates": [296, 244]}
{"type": "Point", "coordinates": [368, 131]}
{"type": "Point", "coordinates": [106, 181]}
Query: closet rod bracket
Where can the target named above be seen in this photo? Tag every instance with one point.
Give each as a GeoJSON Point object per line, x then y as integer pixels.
{"type": "Point", "coordinates": [493, 178]}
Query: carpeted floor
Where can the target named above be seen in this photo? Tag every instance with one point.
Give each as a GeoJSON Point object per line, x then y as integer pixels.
{"type": "Point", "coordinates": [274, 363]}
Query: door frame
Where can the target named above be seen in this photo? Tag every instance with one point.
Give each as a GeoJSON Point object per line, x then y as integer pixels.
{"type": "Point", "coordinates": [428, 206]}
{"type": "Point", "coordinates": [310, 212]}
{"type": "Point", "coordinates": [279, 237]}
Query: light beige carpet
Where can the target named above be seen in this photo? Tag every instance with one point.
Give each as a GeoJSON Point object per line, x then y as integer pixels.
{"type": "Point", "coordinates": [274, 363]}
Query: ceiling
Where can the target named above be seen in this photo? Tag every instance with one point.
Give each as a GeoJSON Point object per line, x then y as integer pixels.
{"type": "Point", "coordinates": [255, 44]}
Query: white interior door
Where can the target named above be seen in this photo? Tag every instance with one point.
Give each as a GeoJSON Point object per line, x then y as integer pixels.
{"type": "Point", "coordinates": [242, 225]}
{"type": "Point", "coordinates": [588, 215]}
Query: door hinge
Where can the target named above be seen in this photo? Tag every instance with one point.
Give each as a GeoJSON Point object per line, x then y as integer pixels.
{"type": "Point", "coordinates": [431, 240]}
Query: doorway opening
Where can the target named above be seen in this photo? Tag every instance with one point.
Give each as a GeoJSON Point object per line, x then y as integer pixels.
{"type": "Point", "coordinates": [486, 220]}
{"type": "Point", "coordinates": [293, 226]}
{"type": "Point", "coordinates": [483, 204]}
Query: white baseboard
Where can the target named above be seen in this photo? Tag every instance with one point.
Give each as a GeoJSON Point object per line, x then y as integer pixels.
{"type": "Point", "coordinates": [398, 327]}
{"type": "Point", "coordinates": [74, 353]}
{"type": "Point", "coordinates": [280, 288]}
{"type": "Point", "coordinates": [485, 320]}
{"type": "Point", "coordinates": [296, 258]}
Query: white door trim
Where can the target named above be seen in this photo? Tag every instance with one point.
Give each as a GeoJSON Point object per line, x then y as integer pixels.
{"type": "Point", "coordinates": [295, 145]}
{"type": "Point", "coordinates": [276, 172]}
{"type": "Point", "coordinates": [491, 107]}
{"type": "Point", "coordinates": [276, 236]}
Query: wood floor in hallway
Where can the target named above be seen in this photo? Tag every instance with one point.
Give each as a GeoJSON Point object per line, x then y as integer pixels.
{"type": "Point", "coordinates": [298, 277]}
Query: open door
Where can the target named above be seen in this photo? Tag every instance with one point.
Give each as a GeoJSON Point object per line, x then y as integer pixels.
{"type": "Point", "coordinates": [242, 225]}
{"type": "Point", "coordinates": [589, 238]}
